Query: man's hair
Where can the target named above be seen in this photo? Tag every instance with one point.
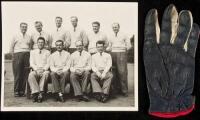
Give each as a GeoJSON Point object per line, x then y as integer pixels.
{"type": "Point", "coordinates": [116, 24]}
{"type": "Point", "coordinates": [58, 17]}
{"type": "Point", "coordinates": [36, 22]}
{"type": "Point", "coordinates": [100, 42]}
{"type": "Point", "coordinates": [23, 23]}
{"type": "Point", "coordinates": [60, 41]}
{"type": "Point", "coordinates": [74, 17]}
{"type": "Point", "coordinates": [41, 38]}
{"type": "Point", "coordinates": [96, 22]}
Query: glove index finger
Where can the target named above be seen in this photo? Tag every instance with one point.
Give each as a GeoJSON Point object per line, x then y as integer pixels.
{"type": "Point", "coordinates": [152, 30]}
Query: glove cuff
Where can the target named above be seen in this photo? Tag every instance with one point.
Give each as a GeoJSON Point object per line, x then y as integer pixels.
{"type": "Point", "coordinates": [173, 114]}
{"type": "Point", "coordinates": [173, 107]}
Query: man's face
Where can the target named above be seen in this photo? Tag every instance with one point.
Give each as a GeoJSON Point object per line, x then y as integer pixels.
{"type": "Point", "coordinates": [115, 28]}
{"type": "Point", "coordinates": [23, 28]}
{"type": "Point", "coordinates": [38, 27]}
{"type": "Point", "coordinates": [58, 22]}
{"type": "Point", "coordinates": [100, 47]}
{"type": "Point", "coordinates": [59, 46]}
{"type": "Point", "coordinates": [96, 28]}
{"type": "Point", "coordinates": [74, 22]}
{"type": "Point", "coordinates": [79, 46]}
{"type": "Point", "coordinates": [40, 44]}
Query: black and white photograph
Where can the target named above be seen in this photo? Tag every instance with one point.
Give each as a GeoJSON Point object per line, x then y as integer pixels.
{"type": "Point", "coordinates": [69, 56]}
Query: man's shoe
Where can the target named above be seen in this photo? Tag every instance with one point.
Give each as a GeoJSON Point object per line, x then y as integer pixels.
{"type": "Point", "coordinates": [16, 94]}
{"type": "Point", "coordinates": [85, 98]}
{"type": "Point", "coordinates": [61, 99]}
{"type": "Point", "coordinates": [125, 94]}
{"type": "Point", "coordinates": [35, 97]}
{"type": "Point", "coordinates": [98, 97]}
{"type": "Point", "coordinates": [40, 98]}
{"type": "Point", "coordinates": [104, 98]}
{"type": "Point", "coordinates": [21, 94]}
{"type": "Point", "coordinates": [78, 98]}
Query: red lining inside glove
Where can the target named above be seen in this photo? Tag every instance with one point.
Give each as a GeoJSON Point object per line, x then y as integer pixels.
{"type": "Point", "coordinates": [172, 114]}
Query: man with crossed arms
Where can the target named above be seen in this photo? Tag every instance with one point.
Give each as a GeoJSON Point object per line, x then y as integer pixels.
{"type": "Point", "coordinates": [39, 63]}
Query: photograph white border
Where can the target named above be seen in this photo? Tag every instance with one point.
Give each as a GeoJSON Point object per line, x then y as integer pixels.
{"type": "Point", "coordinates": [134, 108]}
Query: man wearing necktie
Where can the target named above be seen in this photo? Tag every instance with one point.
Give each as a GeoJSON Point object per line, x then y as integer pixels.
{"type": "Point", "coordinates": [119, 44]}
{"type": "Point", "coordinates": [59, 65]}
{"type": "Point", "coordinates": [60, 34]}
{"type": "Point", "coordinates": [80, 71]}
{"type": "Point", "coordinates": [101, 77]}
{"type": "Point", "coordinates": [40, 33]}
{"type": "Point", "coordinates": [39, 62]}
{"type": "Point", "coordinates": [77, 33]}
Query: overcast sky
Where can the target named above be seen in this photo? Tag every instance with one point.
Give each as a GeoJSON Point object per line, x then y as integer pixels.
{"type": "Point", "coordinates": [105, 12]}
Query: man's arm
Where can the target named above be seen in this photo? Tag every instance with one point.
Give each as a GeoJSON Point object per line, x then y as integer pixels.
{"type": "Point", "coordinates": [46, 67]}
{"type": "Point", "coordinates": [67, 39]}
{"type": "Point", "coordinates": [89, 60]}
{"type": "Point", "coordinates": [85, 39]}
{"type": "Point", "coordinates": [32, 63]}
{"type": "Point", "coordinates": [67, 64]}
{"type": "Point", "coordinates": [108, 65]}
{"type": "Point", "coordinates": [12, 45]}
{"type": "Point", "coordinates": [52, 66]}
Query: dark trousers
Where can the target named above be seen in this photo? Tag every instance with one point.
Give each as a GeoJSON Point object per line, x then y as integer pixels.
{"type": "Point", "coordinates": [59, 81]}
{"type": "Point", "coordinates": [79, 82]}
{"type": "Point", "coordinates": [119, 62]}
{"type": "Point", "coordinates": [20, 70]}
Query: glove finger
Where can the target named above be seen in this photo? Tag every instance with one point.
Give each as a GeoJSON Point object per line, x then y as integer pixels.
{"type": "Point", "coordinates": [193, 40]}
{"type": "Point", "coordinates": [184, 28]}
{"type": "Point", "coordinates": [151, 30]}
{"type": "Point", "coordinates": [169, 24]}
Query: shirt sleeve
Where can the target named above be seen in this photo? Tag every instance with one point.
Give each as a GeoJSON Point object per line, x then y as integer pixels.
{"type": "Point", "coordinates": [127, 41]}
{"type": "Point", "coordinates": [88, 67]}
{"type": "Point", "coordinates": [85, 39]}
{"type": "Point", "coordinates": [46, 67]}
{"type": "Point", "coordinates": [12, 45]}
{"type": "Point", "coordinates": [108, 65]}
{"type": "Point", "coordinates": [94, 69]}
{"type": "Point", "coordinates": [67, 65]}
{"type": "Point", "coordinates": [52, 66]}
{"type": "Point", "coordinates": [32, 63]}
{"type": "Point", "coordinates": [67, 39]}
{"type": "Point", "coordinates": [48, 41]}
{"type": "Point", "coordinates": [31, 42]}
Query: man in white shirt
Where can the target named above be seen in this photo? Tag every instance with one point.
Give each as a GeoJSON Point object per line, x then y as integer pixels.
{"type": "Point", "coordinates": [60, 34]}
{"type": "Point", "coordinates": [95, 36]}
{"type": "Point", "coordinates": [80, 71]}
{"type": "Point", "coordinates": [101, 77]}
{"type": "Point", "coordinates": [20, 50]}
{"type": "Point", "coordinates": [59, 65]}
{"type": "Point", "coordinates": [119, 44]}
{"type": "Point", "coordinates": [77, 34]}
{"type": "Point", "coordinates": [39, 63]}
{"type": "Point", "coordinates": [40, 33]}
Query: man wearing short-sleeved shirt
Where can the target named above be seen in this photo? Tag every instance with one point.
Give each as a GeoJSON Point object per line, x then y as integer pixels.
{"type": "Point", "coordinates": [60, 34]}
{"type": "Point", "coordinates": [40, 33]}
{"type": "Point", "coordinates": [20, 49]}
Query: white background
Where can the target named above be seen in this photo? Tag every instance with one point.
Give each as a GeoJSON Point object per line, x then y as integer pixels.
{"type": "Point", "coordinates": [105, 12]}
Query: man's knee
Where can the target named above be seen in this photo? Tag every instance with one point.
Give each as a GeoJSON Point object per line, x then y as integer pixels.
{"type": "Point", "coordinates": [32, 74]}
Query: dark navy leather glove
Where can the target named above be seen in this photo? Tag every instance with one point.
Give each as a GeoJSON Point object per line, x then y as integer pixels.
{"type": "Point", "coordinates": [169, 59]}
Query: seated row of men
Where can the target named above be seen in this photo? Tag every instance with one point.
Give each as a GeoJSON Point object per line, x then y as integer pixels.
{"type": "Point", "coordinates": [75, 69]}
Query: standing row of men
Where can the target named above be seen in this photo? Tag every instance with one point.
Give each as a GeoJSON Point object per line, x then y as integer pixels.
{"type": "Point", "coordinates": [62, 64]}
